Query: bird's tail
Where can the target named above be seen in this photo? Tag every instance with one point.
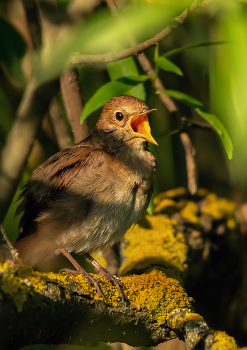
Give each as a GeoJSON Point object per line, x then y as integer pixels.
{"type": "Point", "coordinates": [34, 250]}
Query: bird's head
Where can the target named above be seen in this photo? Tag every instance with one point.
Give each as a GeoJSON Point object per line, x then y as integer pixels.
{"type": "Point", "coordinates": [123, 119]}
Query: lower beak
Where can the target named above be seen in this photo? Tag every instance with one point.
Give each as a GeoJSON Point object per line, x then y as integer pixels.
{"type": "Point", "coordinates": [140, 125]}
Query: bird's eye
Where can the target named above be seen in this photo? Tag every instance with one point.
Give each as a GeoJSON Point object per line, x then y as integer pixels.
{"type": "Point", "coordinates": [119, 116]}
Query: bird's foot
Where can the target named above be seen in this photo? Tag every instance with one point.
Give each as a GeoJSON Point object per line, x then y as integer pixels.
{"type": "Point", "coordinates": [104, 273]}
{"type": "Point", "coordinates": [114, 281]}
{"type": "Point", "coordinates": [80, 270]}
{"type": "Point", "coordinates": [90, 279]}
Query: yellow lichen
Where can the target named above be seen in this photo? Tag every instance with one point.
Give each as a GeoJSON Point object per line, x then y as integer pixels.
{"type": "Point", "coordinates": [231, 223]}
{"type": "Point", "coordinates": [154, 241]}
{"type": "Point", "coordinates": [178, 321]}
{"type": "Point", "coordinates": [17, 291]}
{"type": "Point", "coordinates": [190, 212]}
{"type": "Point", "coordinates": [177, 192]}
{"type": "Point", "coordinates": [198, 338]}
{"type": "Point", "coordinates": [166, 205]}
{"type": "Point", "coordinates": [18, 283]}
{"type": "Point", "coordinates": [157, 293]}
{"type": "Point", "coordinates": [219, 208]}
{"type": "Point", "coordinates": [223, 341]}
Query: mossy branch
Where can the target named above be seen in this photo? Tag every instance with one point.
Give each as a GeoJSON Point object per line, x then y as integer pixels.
{"type": "Point", "coordinates": [49, 308]}
{"type": "Point", "coordinates": [59, 308]}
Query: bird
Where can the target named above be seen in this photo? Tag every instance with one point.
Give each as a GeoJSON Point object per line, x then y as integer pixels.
{"type": "Point", "coordinates": [84, 198]}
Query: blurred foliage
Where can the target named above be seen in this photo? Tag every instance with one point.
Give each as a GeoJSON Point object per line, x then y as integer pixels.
{"type": "Point", "coordinates": [208, 55]}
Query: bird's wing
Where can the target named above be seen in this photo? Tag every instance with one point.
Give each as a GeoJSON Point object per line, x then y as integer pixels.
{"type": "Point", "coordinates": [49, 180]}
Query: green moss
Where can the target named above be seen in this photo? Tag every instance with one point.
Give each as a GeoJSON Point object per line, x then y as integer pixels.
{"type": "Point", "coordinates": [155, 242]}
{"type": "Point", "coordinates": [18, 291]}
{"type": "Point", "coordinates": [18, 283]}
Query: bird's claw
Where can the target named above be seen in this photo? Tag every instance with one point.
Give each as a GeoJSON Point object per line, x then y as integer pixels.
{"type": "Point", "coordinates": [90, 279]}
{"type": "Point", "coordinates": [115, 281]}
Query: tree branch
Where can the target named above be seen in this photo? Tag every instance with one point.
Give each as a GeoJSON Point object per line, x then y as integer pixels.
{"type": "Point", "coordinates": [156, 307]}
{"type": "Point", "coordinates": [85, 320]}
{"type": "Point", "coordinates": [49, 308]}
{"type": "Point", "coordinates": [78, 60]}
{"type": "Point", "coordinates": [20, 140]}
{"type": "Point", "coordinates": [60, 128]}
{"type": "Point", "coordinates": [7, 251]}
{"type": "Point", "coordinates": [190, 162]}
{"type": "Point", "coordinates": [73, 104]}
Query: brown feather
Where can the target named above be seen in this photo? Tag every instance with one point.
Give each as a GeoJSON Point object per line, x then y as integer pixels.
{"type": "Point", "coordinates": [86, 197]}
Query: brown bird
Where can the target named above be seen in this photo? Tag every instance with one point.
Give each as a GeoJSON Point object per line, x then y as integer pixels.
{"type": "Point", "coordinates": [86, 197]}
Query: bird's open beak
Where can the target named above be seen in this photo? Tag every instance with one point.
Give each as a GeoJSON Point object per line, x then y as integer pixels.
{"type": "Point", "coordinates": [140, 125]}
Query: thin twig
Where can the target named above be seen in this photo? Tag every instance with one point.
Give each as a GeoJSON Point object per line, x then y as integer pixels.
{"type": "Point", "coordinates": [186, 122]}
{"type": "Point", "coordinates": [62, 135]}
{"type": "Point", "coordinates": [190, 162]}
{"type": "Point", "coordinates": [78, 60]}
{"type": "Point", "coordinates": [21, 137]}
{"type": "Point", "coordinates": [33, 22]}
{"type": "Point", "coordinates": [6, 249]}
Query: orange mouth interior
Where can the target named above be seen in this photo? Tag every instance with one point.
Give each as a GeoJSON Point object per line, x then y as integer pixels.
{"type": "Point", "coordinates": [140, 125]}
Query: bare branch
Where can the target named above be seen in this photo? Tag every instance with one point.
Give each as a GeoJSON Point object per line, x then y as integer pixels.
{"type": "Point", "coordinates": [190, 162]}
{"type": "Point", "coordinates": [186, 122]}
{"type": "Point", "coordinates": [33, 22]}
{"type": "Point", "coordinates": [20, 140]}
{"type": "Point", "coordinates": [6, 249]}
{"type": "Point", "coordinates": [73, 104]}
{"type": "Point", "coordinates": [62, 135]}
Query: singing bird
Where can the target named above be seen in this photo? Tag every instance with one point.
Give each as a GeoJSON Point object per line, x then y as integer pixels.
{"type": "Point", "coordinates": [86, 197]}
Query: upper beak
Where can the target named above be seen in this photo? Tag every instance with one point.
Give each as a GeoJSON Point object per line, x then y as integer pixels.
{"type": "Point", "coordinates": [140, 125]}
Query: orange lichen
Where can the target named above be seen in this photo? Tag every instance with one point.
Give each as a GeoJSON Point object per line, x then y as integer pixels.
{"type": "Point", "coordinates": [223, 341]}
{"type": "Point", "coordinates": [157, 293]}
{"type": "Point", "coordinates": [154, 241]}
{"type": "Point", "coordinates": [154, 291]}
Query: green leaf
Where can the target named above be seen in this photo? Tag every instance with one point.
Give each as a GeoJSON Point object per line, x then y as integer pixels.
{"type": "Point", "coordinates": [101, 34]}
{"type": "Point", "coordinates": [204, 113]}
{"type": "Point", "coordinates": [167, 65]}
{"type": "Point", "coordinates": [122, 68]}
{"type": "Point", "coordinates": [131, 79]}
{"type": "Point", "coordinates": [127, 67]}
{"type": "Point", "coordinates": [118, 87]}
{"type": "Point", "coordinates": [185, 48]}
